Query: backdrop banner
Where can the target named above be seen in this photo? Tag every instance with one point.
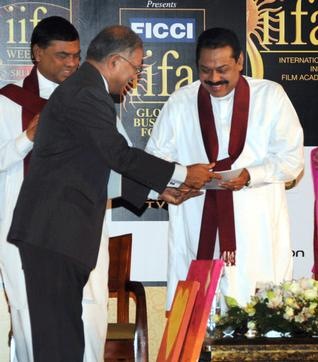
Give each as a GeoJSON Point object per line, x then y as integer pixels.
{"type": "Point", "coordinates": [280, 39]}
{"type": "Point", "coordinates": [169, 31]}
{"type": "Point", "coordinates": [281, 43]}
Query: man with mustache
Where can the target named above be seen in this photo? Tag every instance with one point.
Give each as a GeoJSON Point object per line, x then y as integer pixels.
{"type": "Point", "coordinates": [241, 124]}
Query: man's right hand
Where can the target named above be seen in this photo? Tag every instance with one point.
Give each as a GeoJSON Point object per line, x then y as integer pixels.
{"type": "Point", "coordinates": [31, 130]}
{"type": "Point", "coordinates": [199, 174]}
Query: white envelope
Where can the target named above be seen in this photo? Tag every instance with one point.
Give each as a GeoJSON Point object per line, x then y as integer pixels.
{"type": "Point", "coordinates": [226, 176]}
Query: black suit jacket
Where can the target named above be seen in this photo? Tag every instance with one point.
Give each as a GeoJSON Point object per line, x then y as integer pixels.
{"type": "Point", "coordinates": [62, 201]}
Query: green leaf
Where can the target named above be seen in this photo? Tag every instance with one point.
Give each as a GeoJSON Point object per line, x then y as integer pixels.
{"type": "Point", "coordinates": [231, 302]}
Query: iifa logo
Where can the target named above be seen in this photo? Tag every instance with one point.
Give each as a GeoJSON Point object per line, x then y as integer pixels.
{"type": "Point", "coordinates": [176, 30]}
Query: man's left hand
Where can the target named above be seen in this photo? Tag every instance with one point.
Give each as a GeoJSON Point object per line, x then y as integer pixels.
{"type": "Point", "coordinates": [237, 183]}
{"type": "Point", "coordinates": [177, 196]}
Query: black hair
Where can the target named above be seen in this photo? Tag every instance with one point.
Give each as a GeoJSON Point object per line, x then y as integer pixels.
{"type": "Point", "coordinates": [50, 29]}
{"type": "Point", "coordinates": [218, 38]}
{"type": "Point", "coordinates": [111, 40]}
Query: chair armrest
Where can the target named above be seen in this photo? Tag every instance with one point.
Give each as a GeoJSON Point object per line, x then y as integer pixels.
{"type": "Point", "coordinates": [138, 290]}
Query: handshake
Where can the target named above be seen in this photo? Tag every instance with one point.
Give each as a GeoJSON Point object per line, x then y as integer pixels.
{"type": "Point", "coordinates": [197, 176]}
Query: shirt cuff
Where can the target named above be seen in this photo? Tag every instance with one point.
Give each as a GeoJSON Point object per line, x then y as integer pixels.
{"type": "Point", "coordinates": [178, 177]}
{"type": "Point", "coordinates": [257, 175]}
{"type": "Point", "coordinates": [23, 144]}
{"type": "Point", "coordinates": [153, 195]}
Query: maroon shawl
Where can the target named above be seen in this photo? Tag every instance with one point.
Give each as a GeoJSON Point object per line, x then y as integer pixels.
{"type": "Point", "coordinates": [218, 212]}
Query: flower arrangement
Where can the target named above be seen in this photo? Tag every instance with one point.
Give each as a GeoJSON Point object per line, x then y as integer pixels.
{"type": "Point", "coordinates": [291, 309]}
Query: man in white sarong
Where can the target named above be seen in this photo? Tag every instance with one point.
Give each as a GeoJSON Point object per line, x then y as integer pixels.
{"type": "Point", "coordinates": [244, 124]}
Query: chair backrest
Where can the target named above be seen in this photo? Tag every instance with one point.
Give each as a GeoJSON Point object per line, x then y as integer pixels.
{"type": "Point", "coordinates": [125, 340]}
{"type": "Point", "coordinates": [119, 273]}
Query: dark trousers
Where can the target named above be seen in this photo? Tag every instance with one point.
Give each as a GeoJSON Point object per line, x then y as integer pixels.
{"type": "Point", "coordinates": [54, 286]}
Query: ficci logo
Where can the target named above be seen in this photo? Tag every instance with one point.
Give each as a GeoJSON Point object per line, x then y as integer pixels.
{"type": "Point", "coordinates": [164, 30]}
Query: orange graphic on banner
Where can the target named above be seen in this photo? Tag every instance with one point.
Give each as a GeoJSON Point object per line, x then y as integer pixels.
{"type": "Point", "coordinates": [255, 26]}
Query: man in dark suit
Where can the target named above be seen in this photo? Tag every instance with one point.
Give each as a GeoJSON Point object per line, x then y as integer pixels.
{"type": "Point", "coordinates": [58, 218]}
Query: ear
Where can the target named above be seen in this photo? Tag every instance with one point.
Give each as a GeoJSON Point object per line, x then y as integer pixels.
{"type": "Point", "coordinates": [37, 52]}
{"type": "Point", "coordinates": [112, 62]}
{"type": "Point", "coordinates": [240, 61]}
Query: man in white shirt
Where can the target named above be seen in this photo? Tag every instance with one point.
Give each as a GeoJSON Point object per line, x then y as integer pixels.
{"type": "Point", "coordinates": [241, 124]}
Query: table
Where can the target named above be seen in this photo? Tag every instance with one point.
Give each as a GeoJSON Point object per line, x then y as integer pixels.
{"type": "Point", "coordinates": [260, 349]}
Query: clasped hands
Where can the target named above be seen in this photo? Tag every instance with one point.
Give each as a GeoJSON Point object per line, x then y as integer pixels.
{"type": "Point", "coordinates": [197, 176]}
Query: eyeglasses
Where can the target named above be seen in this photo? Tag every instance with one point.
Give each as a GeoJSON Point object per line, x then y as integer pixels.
{"type": "Point", "coordinates": [138, 68]}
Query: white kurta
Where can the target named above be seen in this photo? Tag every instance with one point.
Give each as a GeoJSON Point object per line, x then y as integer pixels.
{"type": "Point", "coordinates": [14, 146]}
{"type": "Point", "coordinates": [273, 154]}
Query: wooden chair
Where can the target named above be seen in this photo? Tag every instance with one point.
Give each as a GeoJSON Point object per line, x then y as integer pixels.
{"type": "Point", "coordinates": [125, 341]}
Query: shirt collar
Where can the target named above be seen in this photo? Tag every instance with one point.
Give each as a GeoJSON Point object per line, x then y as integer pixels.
{"type": "Point", "coordinates": [46, 86]}
{"type": "Point", "coordinates": [224, 98]}
{"type": "Point", "coordinates": [105, 82]}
